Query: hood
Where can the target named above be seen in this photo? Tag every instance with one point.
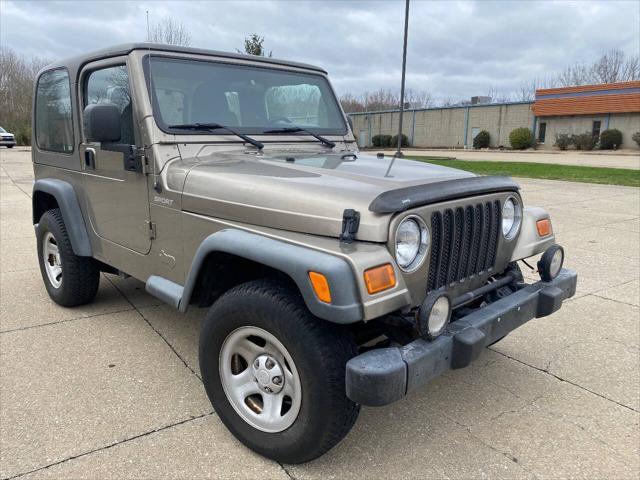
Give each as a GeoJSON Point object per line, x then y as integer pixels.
{"type": "Point", "coordinates": [301, 191]}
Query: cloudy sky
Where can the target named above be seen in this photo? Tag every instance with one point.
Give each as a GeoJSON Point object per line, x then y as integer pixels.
{"type": "Point", "coordinates": [456, 49]}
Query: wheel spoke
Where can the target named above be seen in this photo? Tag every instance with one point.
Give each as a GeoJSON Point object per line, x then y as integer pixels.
{"type": "Point", "coordinates": [52, 248]}
{"type": "Point", "coordinates": [249, 350]}
{"type": "Point", "coordinates": [243, 384]}
{"type": "Point", "coordinates": [272, 406]}
{"type": "Point", "coordinates": [56, 272]}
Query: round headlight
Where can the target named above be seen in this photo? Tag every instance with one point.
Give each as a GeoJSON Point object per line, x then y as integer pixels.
{"type": "Point", "coordinates": [412, 242]}
{"type": "Point", "coordinates": [511, 217]}
{"type": "Point", "coordinates": [551, 262]}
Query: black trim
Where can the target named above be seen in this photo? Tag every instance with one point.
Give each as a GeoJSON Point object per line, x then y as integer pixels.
{"type": "Point", "coordinates": [405, 198]}
{"type": "Point", "coordinates": [384, 375]}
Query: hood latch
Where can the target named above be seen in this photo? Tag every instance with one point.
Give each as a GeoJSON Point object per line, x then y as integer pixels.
{"type": "Point", "coordinates": [350, 224]}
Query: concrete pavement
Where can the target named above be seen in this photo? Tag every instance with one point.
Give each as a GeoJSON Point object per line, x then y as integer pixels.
{"type": "Point", "coordinates": [112, 389]}
{"type": "Point", "coordinates": [629, 159]}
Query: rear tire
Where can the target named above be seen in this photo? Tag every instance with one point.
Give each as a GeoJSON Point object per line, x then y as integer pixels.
{"type": "Point", "coordinates": [69, 279]}
{"type": "Point", "coordinates": [311, 354]}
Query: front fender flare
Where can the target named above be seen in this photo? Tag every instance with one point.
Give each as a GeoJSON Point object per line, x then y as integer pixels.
{"type": "Point", "coordinates": [295, 261]}
{"type": "Point", "coordinates": [67, 201]}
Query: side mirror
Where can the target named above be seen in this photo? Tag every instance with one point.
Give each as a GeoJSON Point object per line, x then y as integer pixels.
{"type": "Point", "coordinates": [102, 123]}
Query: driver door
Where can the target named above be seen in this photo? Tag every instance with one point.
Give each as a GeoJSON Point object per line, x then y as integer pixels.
{"type": "Point", "coordinates": [117, 199]}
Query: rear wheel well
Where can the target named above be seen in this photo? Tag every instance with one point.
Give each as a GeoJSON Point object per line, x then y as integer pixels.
{"type": "Point", "coordinates": [221, 271]}
{"type": "Point", "coordinates": [42, 201]}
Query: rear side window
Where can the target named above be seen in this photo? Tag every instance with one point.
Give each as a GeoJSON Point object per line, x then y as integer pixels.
{"type": "Point", "coordinates": [54, 129]}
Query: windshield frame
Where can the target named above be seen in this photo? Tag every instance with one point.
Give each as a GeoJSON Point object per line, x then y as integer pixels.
{"type": "Point", "coordinates": [164, 127]}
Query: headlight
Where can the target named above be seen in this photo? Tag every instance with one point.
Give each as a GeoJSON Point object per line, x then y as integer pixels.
{"type": "Point", "coordinates": [511, 217]}
{"type": "Point", "coordinates": [412, 243]}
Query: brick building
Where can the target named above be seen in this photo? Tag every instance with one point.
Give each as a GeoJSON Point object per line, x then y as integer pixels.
{"type": "Point", "coordinates": [587, 108]}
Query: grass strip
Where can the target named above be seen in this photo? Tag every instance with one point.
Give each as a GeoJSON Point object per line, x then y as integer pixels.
{"type": "Point", "coordinates": [569, 173]}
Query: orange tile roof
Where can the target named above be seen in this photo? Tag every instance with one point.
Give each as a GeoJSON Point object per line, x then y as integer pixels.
{"type": "Point", "coordinates": [621, 97]}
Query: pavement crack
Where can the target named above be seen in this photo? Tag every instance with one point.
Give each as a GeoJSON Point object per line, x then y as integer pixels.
{"type": "Point", "coordinates": [66, 320]}
{"type": "Point", "coordinates": [566, 381]}
{"type": "Point", "coordinates": [156, 331]}
{"type": "Point", "coordinates": [111, 445]}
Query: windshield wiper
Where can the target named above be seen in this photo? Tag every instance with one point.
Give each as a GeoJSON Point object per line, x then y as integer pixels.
{"type": "Point", "coordinates": [210, 127]}
{"type": "Point", "coordinates": [327, 142]}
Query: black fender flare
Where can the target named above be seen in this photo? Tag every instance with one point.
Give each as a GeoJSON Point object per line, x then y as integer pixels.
{"type": "Point", "coordinates": [295, 261]}
{"type": "Point", "coordinates": [69, 206]}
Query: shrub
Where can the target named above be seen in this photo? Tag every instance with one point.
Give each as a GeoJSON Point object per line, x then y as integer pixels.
{"type": "Point", "coordinates": [636, 138]}
{"type": "Point", "coordinates": [393, 141]}
{"type": "Point", "coordinates": [563, 141]}
{"type": "Point", "coordinates": [610, 139]}
{"type": "Point", "coordinates": [521, 138]}
{"type": "Point", "coordinates": [482, 140]}
{"type": "Point", "coordinates": [23, 136]}
{"type": "Point", "coordinates": [381, 140]}
{"type": "Point", "coordinates": [585, 141]}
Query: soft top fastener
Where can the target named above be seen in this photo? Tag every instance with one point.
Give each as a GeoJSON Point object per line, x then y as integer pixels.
{"type": "Point", "coordinates": [405, 198]}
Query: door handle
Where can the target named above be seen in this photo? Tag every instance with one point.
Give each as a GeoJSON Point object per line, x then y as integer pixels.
{"type": "Point", "coordinates": [90, 159]}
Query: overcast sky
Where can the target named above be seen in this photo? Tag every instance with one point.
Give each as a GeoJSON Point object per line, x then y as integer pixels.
{"type": "Point", "coordinates": [456, 49]}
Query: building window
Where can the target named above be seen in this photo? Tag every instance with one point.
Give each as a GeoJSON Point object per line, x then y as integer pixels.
{"type": "Point", "coordinates": [54, 131]}
{"type": "Point", "coordinates": [596, 129]}
{"type": "Point", "coordinates": [542, 132]}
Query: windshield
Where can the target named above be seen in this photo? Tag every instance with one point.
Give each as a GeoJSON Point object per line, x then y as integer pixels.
{"type": "Point", "coordinates": [2, 130]}
{"type": "Point", "coordinates": [249, 99]}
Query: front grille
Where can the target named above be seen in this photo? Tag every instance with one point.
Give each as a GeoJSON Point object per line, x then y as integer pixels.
{"type": "Point", "coordinates": [464, 241]}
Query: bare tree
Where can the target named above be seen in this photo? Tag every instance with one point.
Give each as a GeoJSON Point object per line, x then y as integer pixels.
{"type": "Point", "coordinates": [169, 31]}
{"type": "Point", "coordinates": [611, 67]}
{"type": "Point", "coordinates": [17, 74]}
{"type": "Point", "coordinates": [253, 45]}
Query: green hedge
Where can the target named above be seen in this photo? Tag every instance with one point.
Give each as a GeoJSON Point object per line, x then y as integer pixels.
{"type": "Point", "coordinates": [610, 139]}
{"type": "Point", "coordinates": [521, 138]}
{"type": "Point", "coordinates": [482, 140]}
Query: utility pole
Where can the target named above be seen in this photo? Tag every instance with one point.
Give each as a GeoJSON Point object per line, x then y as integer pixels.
{"type": "Point", "coordinates": [148, 29]}
{"type": "Point", "coordinates": [404, 66]}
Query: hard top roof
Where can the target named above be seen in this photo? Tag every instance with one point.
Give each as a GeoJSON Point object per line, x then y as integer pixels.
{"type": "Point", "coordinates": [75, 63]}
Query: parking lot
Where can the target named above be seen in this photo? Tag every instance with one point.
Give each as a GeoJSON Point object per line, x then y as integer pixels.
{"type": "Point", "coordinates": [112, 389]}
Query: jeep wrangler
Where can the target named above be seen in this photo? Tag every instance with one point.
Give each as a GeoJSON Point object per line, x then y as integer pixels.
{"type": "Point", "coordinates": [333, 278]}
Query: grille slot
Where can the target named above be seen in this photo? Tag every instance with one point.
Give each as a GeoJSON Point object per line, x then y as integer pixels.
{"type": "Point", "coordinates": [464, 242]}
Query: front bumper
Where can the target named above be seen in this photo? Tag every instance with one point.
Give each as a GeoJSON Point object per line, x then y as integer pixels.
{"type": "Point", "coordinates": [7, 143]}
{"type": "Point", "coordinates": [382, 376]}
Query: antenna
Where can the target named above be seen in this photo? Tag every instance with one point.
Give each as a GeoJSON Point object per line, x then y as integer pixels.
{"type": "Point", "coordinates": [156, 184]}
{"type": "Point", "coordinates": [404, 66]}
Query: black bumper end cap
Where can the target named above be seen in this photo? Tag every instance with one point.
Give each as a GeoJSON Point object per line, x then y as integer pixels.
{"type": "Point", "coordinates": [467, 346]}
{"type": "Point", "coordinates": [549, 300]}
{"type": "Point", "coordinates": [376, 377]}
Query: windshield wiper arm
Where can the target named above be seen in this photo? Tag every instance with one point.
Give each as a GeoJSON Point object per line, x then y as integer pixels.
{"type": "Point", "coordinates": [326, 141]}
{"type": "Point", "coordinates": [210, 127]}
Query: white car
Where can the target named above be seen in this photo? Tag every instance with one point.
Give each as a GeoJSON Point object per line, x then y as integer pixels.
{"type": "Point", "coordinates": [7, 139]}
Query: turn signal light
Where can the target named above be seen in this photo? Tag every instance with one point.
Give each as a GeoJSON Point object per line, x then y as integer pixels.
{"type": "Point", "coordinates": [380, 278]}
{"type": "Point", "coordinates": [544, 227]}
{"type": "Point", "coordinates": [320, 286]}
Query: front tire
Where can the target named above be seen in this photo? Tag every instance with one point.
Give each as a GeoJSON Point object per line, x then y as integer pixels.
{"type": "Point", "coordinates": [275, 374]}
{"type": "Point", "coordinates": [69, 279]}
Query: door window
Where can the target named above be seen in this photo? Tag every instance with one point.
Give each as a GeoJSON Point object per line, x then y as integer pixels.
{"type": "Point", "coordinates": [542, 132]}
{"type": "Point", "coordinates": [54, 129]}
{"type": "Point", "coordinates": [111, 85]}
{"type": "Point", "coordinates": [596, 128]}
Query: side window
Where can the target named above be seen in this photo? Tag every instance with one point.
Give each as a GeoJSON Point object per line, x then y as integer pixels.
{"type": "Point", "coordinates": [54, 128]}
{"type": "Point", "coordinates": [111, 85]}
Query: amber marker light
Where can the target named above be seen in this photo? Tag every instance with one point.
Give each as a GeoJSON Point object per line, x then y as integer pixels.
{"type": "Point", "coordinates": [380, 278]}
{"type": "Point", "coordinates": [320, 286]}
{"type": "Point", "coordinates": [544, 227]}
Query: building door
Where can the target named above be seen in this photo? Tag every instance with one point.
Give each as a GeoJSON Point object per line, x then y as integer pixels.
{"type": "Point", "coordinates": [542, 132]}
{"type": "Point", "coordinates": [117, 199]}
{"type": "Point", "coordinates": [596, 129]}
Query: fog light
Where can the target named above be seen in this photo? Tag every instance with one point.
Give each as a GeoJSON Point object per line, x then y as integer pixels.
{"type": "Point", "coordinates": [434, 315]}
{"type": "Point", "coordinates": [551, 262]}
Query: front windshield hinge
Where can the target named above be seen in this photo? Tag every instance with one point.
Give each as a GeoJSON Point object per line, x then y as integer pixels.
{"type": "Point", "coordinates": [350, 225]}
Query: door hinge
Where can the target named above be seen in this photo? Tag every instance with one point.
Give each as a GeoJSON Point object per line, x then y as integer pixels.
{"type": "Point", "coordinates": [152, 229]}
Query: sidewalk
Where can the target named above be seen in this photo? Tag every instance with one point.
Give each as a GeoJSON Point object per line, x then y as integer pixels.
{"type": "Point", "coordinates": [624, 159]}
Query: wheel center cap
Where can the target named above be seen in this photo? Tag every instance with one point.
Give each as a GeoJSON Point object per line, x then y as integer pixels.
{"type": "Point", "coordinates": [263, 378]}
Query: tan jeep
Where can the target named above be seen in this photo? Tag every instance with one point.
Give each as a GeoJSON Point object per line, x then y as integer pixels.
{"type": "Point", "coordinates": [333, 278]}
